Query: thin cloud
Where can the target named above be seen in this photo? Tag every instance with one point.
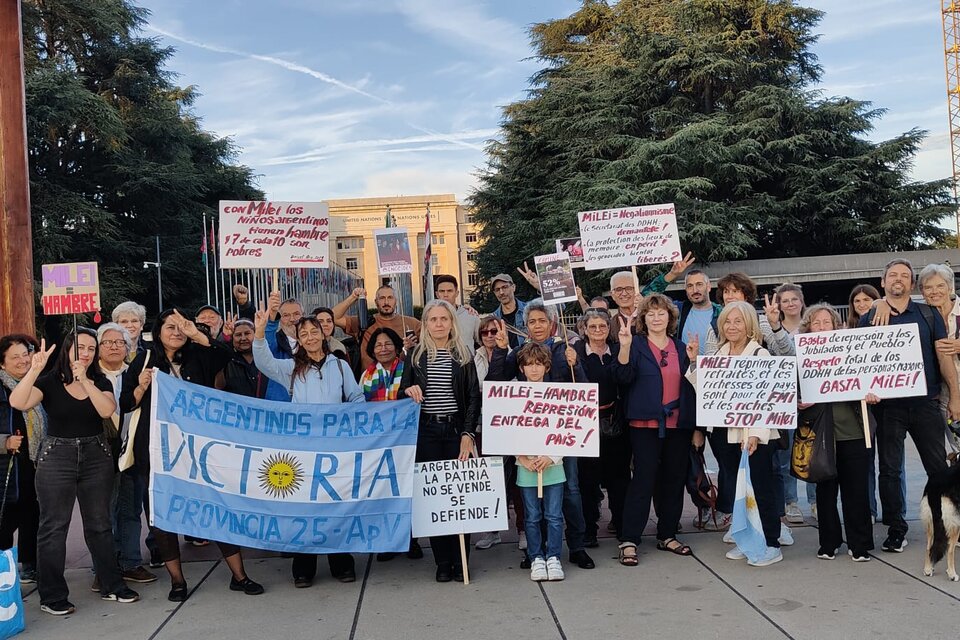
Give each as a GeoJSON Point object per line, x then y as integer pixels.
{"type": "Point", "coordinates": [467, 25]}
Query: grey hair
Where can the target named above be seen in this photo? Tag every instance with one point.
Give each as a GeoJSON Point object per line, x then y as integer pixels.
{"type": "Point", "coordinates": [537, 304]}
{"type": "Point", "coordinates": [129, 306]}
{"type": "Point", "coordinates": [935, 269]}
{"type": "Point", "coordinates": [814, 310]}
{"type": "Point", "coordinates": [621, 274]}
{"type": "Point", "coordinates": [113, 326]}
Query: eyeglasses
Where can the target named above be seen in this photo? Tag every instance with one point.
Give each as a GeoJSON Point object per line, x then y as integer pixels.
{"type": "Point", "coordinates": [488, 332]}
{"type": "Point", "coordinates": [621, 290]}
{"type": "Point", "coordinates": [664, 354]}
{"type": "Point", "coordinates": [113, 343]}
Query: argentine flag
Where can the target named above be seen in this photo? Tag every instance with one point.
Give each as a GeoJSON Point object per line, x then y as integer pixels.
{"type": "Point", "coordinates": [745, 528]}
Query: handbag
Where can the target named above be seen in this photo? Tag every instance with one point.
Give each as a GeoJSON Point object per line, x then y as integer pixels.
{"type": "Point", "coordinates": [814, 455]}
{"type": "Point", "coordinates": [611, 426]}
{"type": "Point", "coordinates": [11, 601]}
{"type": "Point", "coordinates": [702, 490]}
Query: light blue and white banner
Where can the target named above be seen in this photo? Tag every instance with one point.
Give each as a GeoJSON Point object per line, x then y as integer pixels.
{"type": "Point", "coordinates": [303, 478]}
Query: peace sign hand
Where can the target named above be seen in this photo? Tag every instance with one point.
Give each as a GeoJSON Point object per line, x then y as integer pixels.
{"type": "Point", "coordinates": [503, 341]}
{"type": "Point", "coordinates": [260, 319]}
{"type": "Point", "coordinates": [39, 361]}
{"type": "Point", "coordinates": [681, 265]}
{"type": "Point", "coordinates": [625, 334]}
{"type": "Point", "coordinates": [186, 327]}
{"type": "Point", "coordinates": [772, 310]}
{"type": "Point", "coordinates": [530, 276]}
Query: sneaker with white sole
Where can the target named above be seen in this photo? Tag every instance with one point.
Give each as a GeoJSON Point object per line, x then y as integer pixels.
{"type": "Point", "coordinates": [771, 556]}
{"type": "Point", "coordinates": [522, 541]}
{"type": "Point", "coordinates": [488, 540]}
{"type": "Point", "coordinates": [859, 556]}
{"type": "Point", "coordinates": [59, 608]}
{"type": "Point", "coordinates": [894, 543]}
{"type": "Point", "coordinates": [538, 570]}
{"type": "Point", "coordinates": [124, 594]}
{"type": "Point", "coordinates": [722, 523]}
{"type": "Point", "coordinates": [786, 536]}
{"type": "Point", "coordinates": [793, 513]}
{"type": "Point", "coordinates": [735, 554]}
{"type": "Point", "coordinates": [554, 569]}
{"type": "Point", "coordinates": [827, 554]}
{"type": "Point", "coordinates": [728, 537]}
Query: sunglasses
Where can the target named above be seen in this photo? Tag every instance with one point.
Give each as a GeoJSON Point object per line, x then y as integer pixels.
{"type": "Point", "coordinates": [664, 354]}
{"type": "Point", "coordinates": [488, 332]}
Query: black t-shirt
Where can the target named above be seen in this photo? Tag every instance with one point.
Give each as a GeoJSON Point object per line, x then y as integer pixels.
{"type": "Point", "coordinates": [68, 417]}
{"type": "Point", "coordinates": [511, 320]}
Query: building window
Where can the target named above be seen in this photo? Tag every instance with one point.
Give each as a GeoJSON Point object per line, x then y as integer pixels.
{"type": "Point", "coordinates": [473, 278]}
{"type": "Point", "coordinates": [470, 237]}
{"type": "Point", "coordinates": [472, 256]}
{"type": "Point", "coordinates": [468, 218]}
{"type": "Point", "coordinates": [437, 238]}
{"type": "Point", "coordinates": [435, 260]}
{"type": "Point", "coordinates": [352, 264]}
{"type": "Point", "coordinates": [350, 242]}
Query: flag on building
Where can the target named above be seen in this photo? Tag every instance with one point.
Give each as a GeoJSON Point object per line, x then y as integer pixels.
{"type": "Point", "coordinates": [389, 221]}
{"type": "Point", "coordinates": [745, 528]}
{"type": "Point", "coordinates": [203, 245]}
{"type": "Point", "coordinates": [428, 293]}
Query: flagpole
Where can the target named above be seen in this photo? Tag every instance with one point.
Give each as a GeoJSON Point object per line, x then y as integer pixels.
{"type": "Point", "coordinates": [213, 248]}
{"type": "Point", "coordinates": [206, 250]}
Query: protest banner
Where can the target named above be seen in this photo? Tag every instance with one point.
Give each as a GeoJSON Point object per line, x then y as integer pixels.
{"type": "Point", "coordinates": [537, 418]}
{"type": "Point", "coordinates": [848, 364]}
{"type": "Point", "coordinates": [255, 234]}
{"type": "Point", "coordinates": [574, 248]}
{"type": "Point", "coordinates": [557, 285]}
{"type": "Point", "coordinates": [629, 236]}
{"type": "Point", "coordinates": [452, 497]}
{"type": "Point", "coordinates": [70, 288]}
{"type": "Point", "coordinates": [393, 251]}
{"type": "Point", "coordinates": [303, 478]}
{"type": "Point", "coordinates": [747, 391]}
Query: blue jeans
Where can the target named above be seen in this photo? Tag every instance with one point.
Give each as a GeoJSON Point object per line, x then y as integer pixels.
{"type": "Point", "coordinates": [573, 506]}
{"type": "Point", "coordinates": [127, 525]}
{"type": "Point", "coordinates": [550, 510]}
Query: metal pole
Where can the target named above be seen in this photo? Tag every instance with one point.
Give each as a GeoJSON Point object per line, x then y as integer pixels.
{"type": "Point", "coordinates": [159, 282]}
{"type": "Point", "coordinates": [206, 255]}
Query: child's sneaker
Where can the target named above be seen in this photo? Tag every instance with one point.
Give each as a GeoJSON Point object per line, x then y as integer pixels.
{"type": "Point", "coordinates": [554, 569]}
{"type": "Point", "coordinates": [538, 570]}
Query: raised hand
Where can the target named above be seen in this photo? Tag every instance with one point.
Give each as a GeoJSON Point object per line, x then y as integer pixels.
{"type": "Point", "coordinates": [693, 346]}
{"type": "Point", "coordinates": [186, 327]}
{"type": "Point", "coordinates": [680, 266]}
{"type": "Point", "coordinates": [625, 333]}
{"type": "Point", "coordinates": [503, 340]}
{"type": "Point", "coordinates": [228, 325]}
{"type": "Point", "coordinates": [359, 293]}
{"type": "Point", "coordinates": [530, 276]}
{"type": "Point", "coordinates": [39, 361]}
{"type": "Point", "coordinates": [772, 311]}
{"type": "Point", "coordinates": [273, 303]}
{"type": "Point", "coordinates": [260, 319]}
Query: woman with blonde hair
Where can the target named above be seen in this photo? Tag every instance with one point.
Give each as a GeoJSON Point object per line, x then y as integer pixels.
{"type": "Point", "coordinates": [440, 375]}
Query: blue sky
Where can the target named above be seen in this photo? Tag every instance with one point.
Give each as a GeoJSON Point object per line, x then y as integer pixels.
{"type": "Point", "coordinates": [363, 98]}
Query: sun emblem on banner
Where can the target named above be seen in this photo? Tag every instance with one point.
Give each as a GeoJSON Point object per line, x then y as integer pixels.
{"type": "Point", "coordinates": [281, 475]}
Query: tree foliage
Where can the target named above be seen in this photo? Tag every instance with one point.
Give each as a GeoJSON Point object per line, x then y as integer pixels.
{"type": "Point", "coordinates": [116, 155]}
{"type": "Point", "coordinates": [712, 105]}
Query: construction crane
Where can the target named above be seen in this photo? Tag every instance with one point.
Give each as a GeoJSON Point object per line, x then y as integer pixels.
{"type": "Point", "coordinates": [950, 10]}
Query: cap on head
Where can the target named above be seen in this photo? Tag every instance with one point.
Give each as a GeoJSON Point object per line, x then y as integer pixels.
{"type": "Point", "coordinates": [502, 276]}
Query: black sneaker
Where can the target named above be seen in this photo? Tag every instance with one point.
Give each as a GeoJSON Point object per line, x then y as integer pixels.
{"type": "Point", "coordinates": [155, 561]}
{"type": "Point", "coordinates": [59, 608]}
{"type": "Point", "coordinates": [302, 582]}
{"type": "Point", "coordinates": [525, 563]}
{"type": "Point", "coordinates": [246, 585]}
{"type": "Point", "coordinates": [385, 556]}
{"type": "Point", "coordinates": [178, 592]}
{"type": "Point", "coordinates": [124, 594]}
{"type": "Point", "coordinates": [28, 576]}
{"type": "Point", "coordinates": [894, 543]}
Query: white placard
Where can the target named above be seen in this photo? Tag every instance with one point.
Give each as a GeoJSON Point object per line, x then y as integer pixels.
{"type": "Point", "coordinates": [393, 251]}
{"type": "Point", "coordinates": [747, 391]}
{"type": "Point", "coordinates": [629, 236]}
{"type": "Point", "coordinates": [541, 418]}
{"type": "Point", "coordinates": [273, 234]}
{"type": "Point", "coordinates": [452, 497]}
{"type": "Point", "coordinates": [849, 364]}
{"type": "Point", "coordinates": [557, 285]}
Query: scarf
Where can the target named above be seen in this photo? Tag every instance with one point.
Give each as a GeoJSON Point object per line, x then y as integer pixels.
{"type": "Point", "coordinates": [379, 383]}
{"type": "Point", "coordinates": [35, 419]}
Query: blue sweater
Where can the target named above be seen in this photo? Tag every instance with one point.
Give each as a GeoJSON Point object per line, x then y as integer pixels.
{"type": "Point", "coordinates": [333, 384]}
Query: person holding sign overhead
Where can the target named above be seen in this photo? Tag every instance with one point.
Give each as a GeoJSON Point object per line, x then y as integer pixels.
{"type": "Point", "coordinates": [740, 335]}
{"type": "Point", "coordinates": [439, 374]}
{"type": "Point", "coordinates": [853, 461]}
{"type": "Point", "coordinates": [386, 316]}
{"type": "Point", "coordinates": [659, 405]}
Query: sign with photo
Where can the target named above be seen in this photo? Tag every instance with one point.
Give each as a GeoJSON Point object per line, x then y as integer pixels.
{"type": "Point", "coordinates": [557, 285]}
{"type": "Point", "coordinates": [393, 251]}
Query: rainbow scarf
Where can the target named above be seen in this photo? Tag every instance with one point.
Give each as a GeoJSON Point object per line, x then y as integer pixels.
{"type": "Point", "coordinates": [379, 383]}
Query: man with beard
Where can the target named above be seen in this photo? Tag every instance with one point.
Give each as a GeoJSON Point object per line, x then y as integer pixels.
{"type": "Point", "coordinates": [241, 375]}
{"type": "Point", "coordinates": [386, 316]}
{"type": "Point", "coordinates": [510, 308]}
{"type": "Point", "coordinates": [697, 312]}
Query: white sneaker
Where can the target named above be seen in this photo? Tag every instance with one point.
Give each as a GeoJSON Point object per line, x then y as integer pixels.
{"type": "Point", "coordinates": [793, 513]}
{"type": "Point", "coordinates": [772, 556]}
{"type": "Point", "coordinates": [538, 570]}
{"type": "Point", "coordinates": [722, 523]}
{"type": "Point", "coordinates": [488, 540]}
{"type": "Point", "coordinates": [554, 569]}
{"type": "Point", "coordinates": [786, 535]}
{"type": "Point", "coordinates": [522, 542]}
{"type": "Point", "coordinates": [736, 554]}
{"type": "Point", "coordinates": [728, 538]}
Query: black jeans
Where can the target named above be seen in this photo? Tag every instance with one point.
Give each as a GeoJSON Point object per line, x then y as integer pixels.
{"type": "Point", "coordinates": [921, 418]}
{"type": "Point", "coordinates": [610, 470]}
{"type": "Point", "coordinates": [728, 461]}
{"type": "Point", "coordinates": [22, 515]}
{"type": "Point", "coordinates": [441, 441]}
{"type": "Point", "coordinates": [853, 465]}
{"type": "Point", "coordinates": [659, 466]}
{"type": "Point", "coordinates": [71, 470]}
{"type": "Point", "coordinates": [764, 490]}
{"type": "Point", "coordinates": [305, 564]}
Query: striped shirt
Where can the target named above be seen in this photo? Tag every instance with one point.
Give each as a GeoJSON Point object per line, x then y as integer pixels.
{"type": "Point", "coordinates": [438, 398]}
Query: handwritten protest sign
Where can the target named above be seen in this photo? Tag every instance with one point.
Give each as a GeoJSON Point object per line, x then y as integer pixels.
{"type": "Point", "coordinates": [71, 287]}
{"type": "Point", "coordinates": [537, 418]}
{"type": "Point", "coordinates": [556, 278]}
{"type": "Point", "coordinates": [257, 234]}
{"type": "Point", "coordinates": [393, 251]}
{"type": "Point", "coordinates": [747, 391]}
{"type": "Point", "coordinates": [452, 497]}
{"type": "Point", "coordinates": [574, 249]}
{"type": "Point", "coordinates": [849, 364]}
{"type": "Point", "coordinates": [629, 236]}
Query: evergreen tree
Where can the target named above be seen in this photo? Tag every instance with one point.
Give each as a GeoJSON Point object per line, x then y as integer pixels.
{"type": "Point", "coordinates": [116, 156]}
{"type": "Point", "coordinates": [712, 105]}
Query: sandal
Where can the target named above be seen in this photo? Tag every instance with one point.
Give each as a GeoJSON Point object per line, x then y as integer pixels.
{"type": "Point", "coordinates": [628, 559]}
{"type": "Point", "coordinates": [680, 549]}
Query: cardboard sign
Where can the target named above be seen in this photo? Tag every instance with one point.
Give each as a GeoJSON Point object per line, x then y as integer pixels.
{"type": "Point", "coordinates": [541, 418]}
{"type": "Point", "coordinates": [393, 251]}
{"type": "Point", "coordinates": [557, 285]}
{"type": "Point", "coordinates": [258, 235]}
{"type": "Point", "coordinates": [70, 287]}
{"type": "Point", "coordinates": [629, 236]}
{"type": "Point", "coordinates": [849, 364]}
{"type": "Point", "coordinates": [574, 248]}
{"type": "Point", "coordinates": [747, 391]}
{"type": "Point", "coordinates": [452, 497]}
